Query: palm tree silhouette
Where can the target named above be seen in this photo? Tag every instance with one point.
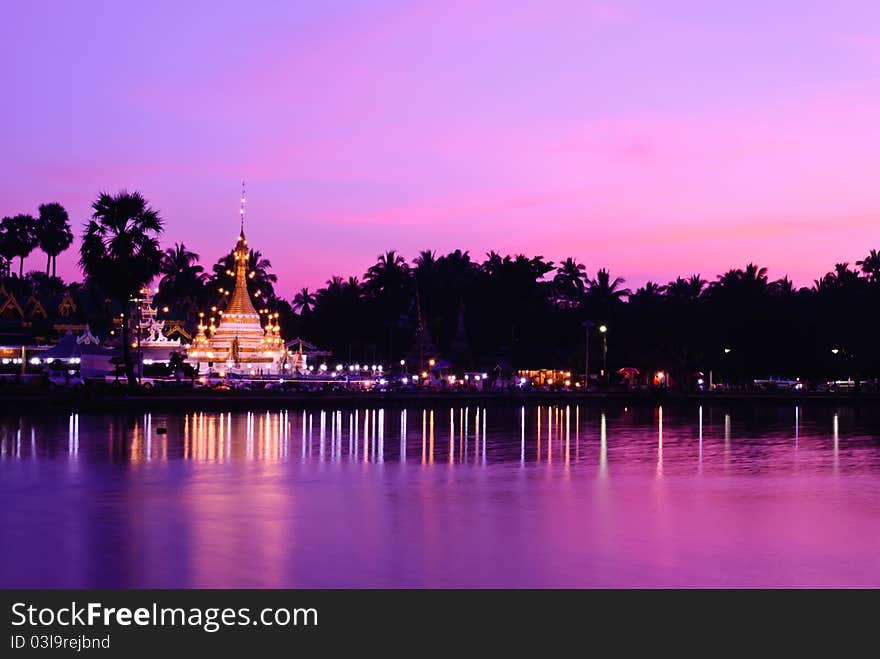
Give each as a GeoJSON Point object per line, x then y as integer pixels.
{"type": "Point", "coordinates": [120, 252]}
{"type": "Point", "coordinates": [53, 233]}
{"type": "Point", "coordinates": [304, 301]}
{"type": "Point", "coordinates": [182, 286]}
{"type": "Point", "coordinates": [20, 233]}
{"type": "Point", "coordinates": [870, 266]}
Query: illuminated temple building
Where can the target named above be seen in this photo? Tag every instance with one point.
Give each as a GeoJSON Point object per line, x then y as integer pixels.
{"type": "Point", "coordinates": [238, 342]}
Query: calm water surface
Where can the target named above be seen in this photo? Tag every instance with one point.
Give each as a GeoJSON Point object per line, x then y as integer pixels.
{"type": "Point", "coordinates": [550, 496]}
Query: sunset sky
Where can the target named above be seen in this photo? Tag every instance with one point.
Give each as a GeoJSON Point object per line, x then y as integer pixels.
{"type": "Point", "coordinates": [652, 138]}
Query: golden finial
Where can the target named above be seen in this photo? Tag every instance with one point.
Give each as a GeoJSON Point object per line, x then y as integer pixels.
{"type": "Point", "coordinates": [241, 210]}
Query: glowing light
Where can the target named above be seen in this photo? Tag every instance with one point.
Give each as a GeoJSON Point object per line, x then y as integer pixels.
{"type": "Point", "coordinates": [603, 328]}
{"type": "Point", "coordinates": [431, 362]}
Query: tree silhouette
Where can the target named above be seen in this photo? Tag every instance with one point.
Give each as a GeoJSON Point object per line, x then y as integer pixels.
{"type": "Point", "coordinates": [20, 238]}
{"type": "Point", "coordinates": [53, 233]}
{"type": "Point", "coordinates": [120, 253]}
{"type": "Point", "coordinates": [182, 287]}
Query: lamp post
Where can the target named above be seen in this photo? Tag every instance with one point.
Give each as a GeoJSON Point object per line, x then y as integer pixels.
{"type": "Point", "coordinates": [587, 325]}
{"type": "Point", "coordinates": [137, 301]}
{"type": "Point", "coordinates": [603, 329]}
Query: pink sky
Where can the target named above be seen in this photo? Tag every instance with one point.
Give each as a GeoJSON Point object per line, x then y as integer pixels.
{"type": "Point", "coordinates": [654, 139]}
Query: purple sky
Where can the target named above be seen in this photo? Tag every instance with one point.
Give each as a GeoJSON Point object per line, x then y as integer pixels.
{"type": "Point", "coordinates": [652, 138]}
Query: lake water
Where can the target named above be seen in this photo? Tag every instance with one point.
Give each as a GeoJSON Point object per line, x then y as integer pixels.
{"type": "Point", "coordinates": [550, 496]}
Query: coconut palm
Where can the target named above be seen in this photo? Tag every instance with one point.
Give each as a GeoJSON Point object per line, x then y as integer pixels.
{"type": "Point", "coordinates": [304, 301]}
{"type": "Point", "coordinates": [650, 293]}
{"type": "Point", "coordinates": [7, 252]}
{"type": "Point", "coordinates": [841, 278]}
{"type": "Point", "coordinates": [783, 287]}
{"type": "Point", "coordinates": [605, 290]}
{"type": "Point", "coordinates": [389, 275]}
{"type": "Point", "coordinates": [688, 289]}
{"type": "Point", "coordinates": [182, 286]}
{"type": "Point", "coordinates": [570, 282]}
{"type": "Point", "coordinates": [870, 266]}
{"type": "Point", "coordinates": [120, 253]}
{"type": "Point", "coordinates": [53, 233]}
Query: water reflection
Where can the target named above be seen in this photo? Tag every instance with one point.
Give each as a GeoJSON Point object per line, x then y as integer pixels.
{"type": "Point", "coordinates": [460, 495]}
{"type": "Point", "coordinates": [571, 435]}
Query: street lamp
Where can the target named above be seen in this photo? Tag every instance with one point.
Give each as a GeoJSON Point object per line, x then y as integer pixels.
{"type": "Point", "coordinates": [137, 301]}
{"type": "Point", "coordinates": [588, 324]}
{"type": "Point", "coordinates": [603, 329]}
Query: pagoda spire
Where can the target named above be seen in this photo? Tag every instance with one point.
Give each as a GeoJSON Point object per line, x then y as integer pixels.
{"type": "Point", "coordinates": [241, 211]}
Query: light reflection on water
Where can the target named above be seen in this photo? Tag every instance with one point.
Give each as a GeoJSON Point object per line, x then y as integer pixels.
{"type": "Point", "coordinates": [553, 495]}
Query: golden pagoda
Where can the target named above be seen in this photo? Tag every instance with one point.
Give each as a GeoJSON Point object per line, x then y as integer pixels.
{"type": "Point", "coordinates": [239, 343]}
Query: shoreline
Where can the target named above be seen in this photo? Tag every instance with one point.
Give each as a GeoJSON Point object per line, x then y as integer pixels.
{"type": "Point", "coordinates": [69, 401]}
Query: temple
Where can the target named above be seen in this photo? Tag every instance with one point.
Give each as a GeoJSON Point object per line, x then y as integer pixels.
{"type": "Point", "coordinates": [239, 343]}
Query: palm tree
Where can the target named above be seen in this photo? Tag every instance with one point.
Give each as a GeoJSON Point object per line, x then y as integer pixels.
{"type": "Point", "coordinates": [749, 282]}
{"type": "Point", "coordinates": [53, 233]}
{"type": "Point", "coordinates": [783, 287]}
{"type": "Point", "coordinates": [304, 301]}
{"type": "Point", "coordinates": [570, 282]}
{"type": "Point", "coordinates": [688, 289]}
{"type": "Point", "coordinates": [353, 287]}
{"type": "Point", "coordinates": [120, 252]}
{"type": "Point", "coordinates": [426, 260]}
{"type": "Point", "coordinates": [754, 276]}
{"type": "Point", "coordinates": [6, 248]}
{"type": "Point", "coordinates": [841, 278]}
{"type": "Point", "coordinates": [182, 287]}
{"type": "Point", "coordinates": [607, 291]}
{"type": "Point", "coordinates": [493, 263]}
{"type": "Point", "coordinates": [649, 293]}
{"type": "Point", "coordinates": [21, 237]}
{"type": "Point", "coordinates": [870, 266]}
{"type": "Point", "coordinates": [389, 274]}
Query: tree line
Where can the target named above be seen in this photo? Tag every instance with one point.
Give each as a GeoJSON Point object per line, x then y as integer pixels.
{"type": "Point", "coordinates": [515, 311]}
